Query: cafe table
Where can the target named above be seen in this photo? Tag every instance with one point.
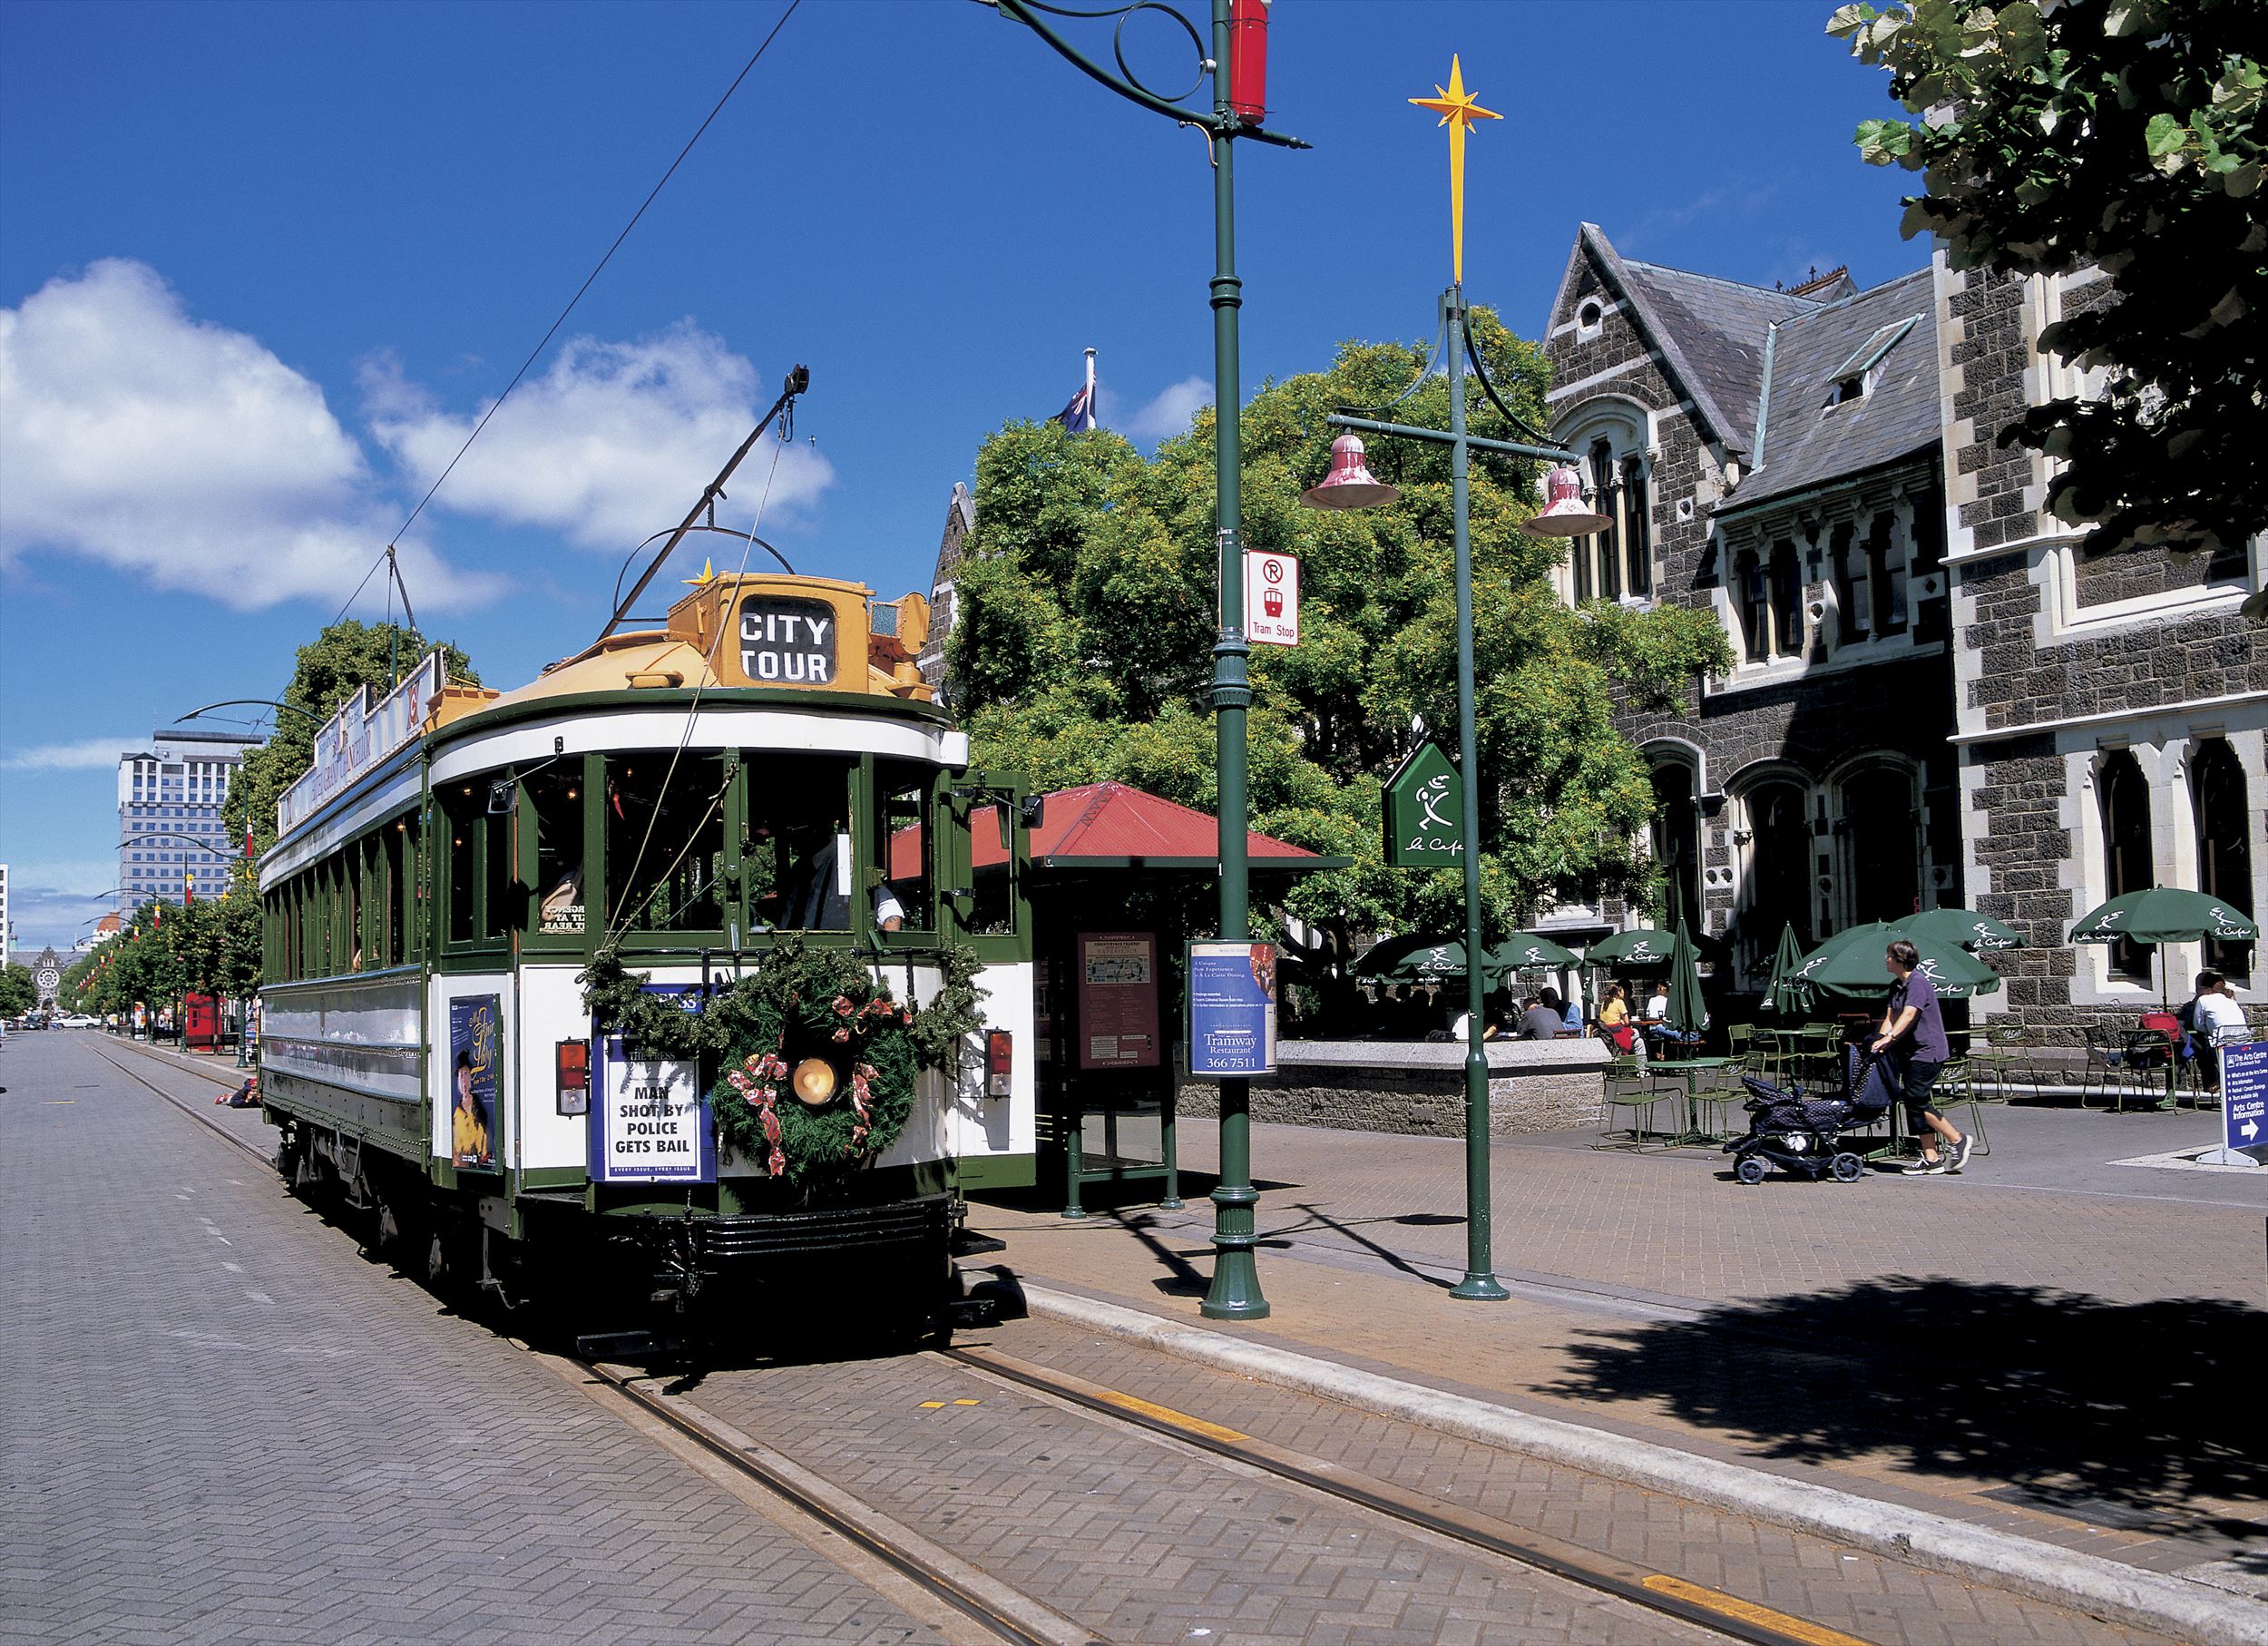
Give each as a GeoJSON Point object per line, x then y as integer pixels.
{"type": "Point", "coordinates": [1688, 1070]}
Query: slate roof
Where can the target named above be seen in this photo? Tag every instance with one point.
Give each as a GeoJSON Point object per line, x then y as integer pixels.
{"type": "Point", "coordinates": [1806, 441]}
{"type": "Point", "coordinates": [1720, 328]}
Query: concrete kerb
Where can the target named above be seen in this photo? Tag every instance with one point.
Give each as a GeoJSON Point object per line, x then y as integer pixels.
{"type": "Point", "coordinates": [2087, 1583]}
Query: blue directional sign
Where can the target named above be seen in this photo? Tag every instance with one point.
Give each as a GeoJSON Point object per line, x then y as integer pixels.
{"type": "Point", "coordinates": [2244, 1095]}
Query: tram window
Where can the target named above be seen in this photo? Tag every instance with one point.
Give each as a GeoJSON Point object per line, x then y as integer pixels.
{"type": "Point", "coordinates": [901, 826]}
{"type": "Point", "coordinates": [458, 822]}
{"type": "Point", "coordinates": [393, 950]}
{"type": "Point", "coordinates": [554, 793]}
{"type": "Point", "coordinates": [496, 910]}
{"type": "Point", "coordinates": [799, 807]}
{"type": "Point", "coordinates": [665, 845]}
{"type": "Point", "coordinates": [353, 878]}
{"type": "Point", "coordinates": [993, 913]}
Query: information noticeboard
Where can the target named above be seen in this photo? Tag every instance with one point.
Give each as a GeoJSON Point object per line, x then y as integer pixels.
{"type": "Point", "coordinates": [650, 1120]}
{"type": "Point", "coordinates": [2244, 1095]}
{"type": "Point", "coordinates": [1232, 1008]}
{"type": "Point", "coordinates": [1117, 1000]}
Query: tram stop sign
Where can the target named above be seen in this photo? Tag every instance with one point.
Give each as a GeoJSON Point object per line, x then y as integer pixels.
{"type": "Point", "coordinates": [1425, 812]}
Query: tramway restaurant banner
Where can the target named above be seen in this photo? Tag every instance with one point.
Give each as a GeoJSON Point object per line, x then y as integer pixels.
{"type": "Point", "coordinates": [358, 737]}
{"type": "Point", "coordinates": [649, 1115]}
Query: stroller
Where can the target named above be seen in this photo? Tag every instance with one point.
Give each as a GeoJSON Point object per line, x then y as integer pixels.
{"type": "Point", "coordinates": [1804, 1136]}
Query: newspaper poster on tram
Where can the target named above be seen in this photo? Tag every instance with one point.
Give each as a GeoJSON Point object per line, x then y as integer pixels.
{"type": "Point", "coordinates": [649, 1115]}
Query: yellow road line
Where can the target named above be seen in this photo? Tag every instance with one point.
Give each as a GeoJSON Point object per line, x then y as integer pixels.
{"type": "Point", "coordinates": [1748, 1611]}
{"type": "Point", "coordinates": [1166, 1414]}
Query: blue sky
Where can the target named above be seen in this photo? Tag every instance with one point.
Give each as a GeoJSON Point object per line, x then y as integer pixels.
{"type": "Point", "coordinates": [261, 265]}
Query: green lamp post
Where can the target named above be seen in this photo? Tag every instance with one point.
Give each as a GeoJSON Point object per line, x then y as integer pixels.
{"type": "Point", "coordinates": [1237, 63]}
{"type": "Point", "coordinates": [1350, 486]}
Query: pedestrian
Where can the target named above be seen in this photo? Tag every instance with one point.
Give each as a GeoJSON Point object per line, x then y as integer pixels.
{"type": "Point", "coordinates": [2216, 1020]}
{"type": "Point", "coordinates": [1542, 1019]}
{"type": "Point", "coordinates": [1913, 1036]}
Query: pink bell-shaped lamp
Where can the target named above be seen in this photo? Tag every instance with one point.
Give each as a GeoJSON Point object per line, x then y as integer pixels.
{"type": "Point", "coordinates": [1564, 511]}
{"type": "Point", "coordinates": [1349, 484]}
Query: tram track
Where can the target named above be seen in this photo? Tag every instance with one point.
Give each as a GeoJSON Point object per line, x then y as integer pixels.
{"type": "Point", "coordinates": [958, 1591]}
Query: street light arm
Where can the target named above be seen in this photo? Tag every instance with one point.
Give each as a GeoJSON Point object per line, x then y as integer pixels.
{"type": "Point", "coordinates": [1216, 123]}
{"type": "Point", "coordinates": [1409, 431]}
{"type": "Point", "coordinates": [167, 834]}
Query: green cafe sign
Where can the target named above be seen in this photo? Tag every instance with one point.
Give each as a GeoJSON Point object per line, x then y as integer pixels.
{"type": "Point", "coordinates": [1425, 812]}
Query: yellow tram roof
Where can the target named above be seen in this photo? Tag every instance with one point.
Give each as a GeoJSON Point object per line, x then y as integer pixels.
{"type": "Point", "coordinates": [767, 631]}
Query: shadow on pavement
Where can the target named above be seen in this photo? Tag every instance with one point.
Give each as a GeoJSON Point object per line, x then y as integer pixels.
{"type": "Point", "coordinates": [2116, 1413]}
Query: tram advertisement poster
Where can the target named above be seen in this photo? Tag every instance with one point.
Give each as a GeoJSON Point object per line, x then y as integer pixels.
{"type": "Point", "coordinates": [650, 1120]}
{"type": "Point", "coordinates": [1232, 1008]}
{"type": "Point", "coordinates": [475, 1055]}
{"type": "Point", "coordinates": [1117, 1000]}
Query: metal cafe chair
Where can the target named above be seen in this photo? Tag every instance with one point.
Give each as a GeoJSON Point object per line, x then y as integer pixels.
{"type": "Point", "coordinates": [1957, 1088]}
{"type": "Point", "coordinates": [1629, 1088]}
{"type": "Point", "coordinates": [2105, 1068]}
{"type": "Point", "coordinates": [2149, 1053]}
{"type": "Point", "coordinates": [1998, 1063]}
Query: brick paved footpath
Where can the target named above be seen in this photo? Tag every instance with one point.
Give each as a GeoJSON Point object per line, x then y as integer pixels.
{"type": "Point", "coordinates": [219, 1423]}
{"type": "Point", "coordinates": [2048, 1344]}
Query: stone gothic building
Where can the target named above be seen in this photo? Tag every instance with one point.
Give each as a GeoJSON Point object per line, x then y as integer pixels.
{"type": "Point", "coordinates": [1934, 699]}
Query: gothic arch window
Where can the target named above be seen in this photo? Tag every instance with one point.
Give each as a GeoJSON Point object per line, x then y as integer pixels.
{"type": "Point", "coordinates": [2124, 795]}
{"type": "Point", "coordinates": [1881, 833]}
{"type": "Point", "coordinates": [1775, 880]}
{"type": "Point", "coordinates": [2225, 848]}
{"type": "Point", "coordinates": [1676, 838]}
{"type": "Point", "coordinates": [1613, 435]}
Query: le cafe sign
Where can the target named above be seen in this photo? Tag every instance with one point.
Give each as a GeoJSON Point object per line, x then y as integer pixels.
{"type": "Point", "coordinates": [1425, 812]}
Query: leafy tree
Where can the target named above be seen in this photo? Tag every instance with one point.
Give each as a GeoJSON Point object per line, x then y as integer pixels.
{"type": "Point", "coordinates": [1083, 645]}
{"type": "Point", "coordinates": [2125, 135]}
{"type": "Point", "coordinates": [18, 993]}
{"type": "Point", "coordinates": [343, 658]}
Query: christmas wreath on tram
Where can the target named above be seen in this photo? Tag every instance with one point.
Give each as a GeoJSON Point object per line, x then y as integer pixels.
{"type": "Point", "coordinates": [816, 1060]}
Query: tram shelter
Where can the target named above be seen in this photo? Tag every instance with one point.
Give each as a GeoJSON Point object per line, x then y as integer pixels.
{"type": "Point", "coordinates": [1121, 881]}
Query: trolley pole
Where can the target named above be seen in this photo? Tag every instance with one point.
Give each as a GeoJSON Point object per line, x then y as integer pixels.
{"type": "Point", "coordinates": [1235, 1291]}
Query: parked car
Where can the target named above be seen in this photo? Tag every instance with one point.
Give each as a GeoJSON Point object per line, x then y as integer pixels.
{"type": "Point", "coordinates": [78, 1020]}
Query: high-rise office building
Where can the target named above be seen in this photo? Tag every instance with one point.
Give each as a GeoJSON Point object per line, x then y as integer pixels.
{"type": "Point", "coordinates": [170, 832]}
{"type": "Point", "coordinates": [7, 926]}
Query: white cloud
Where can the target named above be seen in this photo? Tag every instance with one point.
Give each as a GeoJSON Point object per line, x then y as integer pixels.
{"type": "Point", "coordinates": [1172, 412]}
{"type": "Point", "coordinates": [88, 754]}
{"type": "Point", "coordinates": [613, 441]}
{"type": "Point", "coordinates": [183, 452]}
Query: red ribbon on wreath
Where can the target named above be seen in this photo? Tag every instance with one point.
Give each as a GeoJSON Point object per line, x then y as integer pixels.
{"type": "Point", "coordinates": [762, 1091]}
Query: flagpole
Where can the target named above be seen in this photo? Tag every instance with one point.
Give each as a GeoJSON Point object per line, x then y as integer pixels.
{"type": "Point", "coordinates": [1091, 388]}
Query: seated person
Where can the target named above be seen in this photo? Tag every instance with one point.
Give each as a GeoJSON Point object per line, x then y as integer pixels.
{"type": "Point", "coordinates": [1545, 1015]}
{"type": "Point", "coordinates": [2216, 1020]}
{"type": "Point", "coordinates": [816, 903]}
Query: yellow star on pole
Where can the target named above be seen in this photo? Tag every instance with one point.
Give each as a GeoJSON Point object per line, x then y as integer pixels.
{"type": "Point", "coordinates": [707, 576]}
{"type": "Point", "coordinates": [1458, 109]}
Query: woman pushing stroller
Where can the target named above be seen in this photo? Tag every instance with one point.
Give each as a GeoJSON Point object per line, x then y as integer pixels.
{"type": "Point", "coordinates": [1913, 1036]}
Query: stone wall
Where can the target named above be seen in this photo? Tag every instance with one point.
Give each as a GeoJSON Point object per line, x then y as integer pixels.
{"type": "Point", "coordinates": [1418, 1090]}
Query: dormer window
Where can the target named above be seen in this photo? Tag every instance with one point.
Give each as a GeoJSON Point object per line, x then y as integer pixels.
{"type": "Point", "coordinates": [1590, 316]}
{"type": "Point", "coordinates": [1854, 379]}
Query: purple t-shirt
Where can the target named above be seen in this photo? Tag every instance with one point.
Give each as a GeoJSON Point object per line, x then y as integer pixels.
{"type": "Point", "coordinates": [1924, 1041]}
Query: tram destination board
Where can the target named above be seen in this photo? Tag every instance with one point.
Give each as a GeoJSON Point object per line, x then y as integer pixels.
{"type": "Point", "coordinates": [787, 640]}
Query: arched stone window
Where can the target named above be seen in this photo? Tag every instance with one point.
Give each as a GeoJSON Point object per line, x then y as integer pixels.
{"type": "Point", "coordinates": [1880, 831]}
{"type": "Point", "coordinates": [1775, 880]}
{"type": "Point", "coordinates": [1676, 838]}
{"type": "Point", "coordinates": [2225, 847]}
{"type": "Point", "coordinates": [1613, 434]}
{"type": "Point", "coordinates": [2124, 797]}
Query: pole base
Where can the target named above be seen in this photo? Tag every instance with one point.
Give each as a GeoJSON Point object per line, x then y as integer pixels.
{"type": "Point", "coordinates": [1235, 1292]}
{"type": "Point", "coordinates": [1478, 1288]}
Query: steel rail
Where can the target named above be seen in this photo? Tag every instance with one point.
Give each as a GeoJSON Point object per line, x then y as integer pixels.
{"type": "Point", "coordinates": [1658, 1591]}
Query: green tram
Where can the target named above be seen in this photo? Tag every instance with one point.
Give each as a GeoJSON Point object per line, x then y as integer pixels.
{"type": "Point", "coordinates": [678, 797]}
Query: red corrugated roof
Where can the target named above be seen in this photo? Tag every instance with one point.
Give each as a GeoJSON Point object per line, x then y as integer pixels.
{"type": "Point", "coordinates": [1106, 823]}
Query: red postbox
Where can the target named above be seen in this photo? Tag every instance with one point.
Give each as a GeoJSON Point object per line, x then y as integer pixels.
{"type": "Point", "coordinates": [1249, 60]}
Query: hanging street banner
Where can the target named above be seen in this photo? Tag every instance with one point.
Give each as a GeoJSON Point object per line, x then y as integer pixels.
{"type": "Point", "coordinates": [1425, 823]}
{"type": "Point", "coordinates": [1232, 1008]}
{"type": "Point", "coordinates": [1271, 599]}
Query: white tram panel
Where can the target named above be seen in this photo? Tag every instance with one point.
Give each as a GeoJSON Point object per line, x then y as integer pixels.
{"type": "Point", "coordinates": [550, 1011]}
{"type": "Point", "coordinates": [635, 727]}
{"type": "Point", "coordinates": [978, 1126]}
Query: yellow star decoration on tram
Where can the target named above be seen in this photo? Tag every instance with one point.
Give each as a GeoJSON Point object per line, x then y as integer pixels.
{"type": "Point", "coordinates": [1458, 109]}
{"type": "Point", "coordinates": [707, 576]}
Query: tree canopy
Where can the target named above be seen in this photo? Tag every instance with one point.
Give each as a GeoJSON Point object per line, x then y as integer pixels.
{"type": "Point", "coordinates": [1085, 619]}
{"type": "Point", "coordinates": [19, 990]}
{"type": "Point", "coordinates": [345, 656]}
{"type": "Point", "coordinates": [166, 950]}
{"type": "Point", "coordinates": [2124, 135]}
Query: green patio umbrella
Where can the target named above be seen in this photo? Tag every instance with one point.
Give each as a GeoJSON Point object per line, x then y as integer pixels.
{"type": "Point", "coordinates": [1850, 964]}
{"type": "Point", "coordinates": [1979, 933]}
{"type": "Point", "coordinates": [1687, 1012]}
{"type": "Point", "coordinates": [2160, 915]}
{"type": "Point", "coordinates": [1526, 952]}
{"type": "Point", "coordinates": [1785, 993]}
{"type": "Point", "coordinates": [1408, 959]}
{"type": "Point", "coordinates": [1640, 950]}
